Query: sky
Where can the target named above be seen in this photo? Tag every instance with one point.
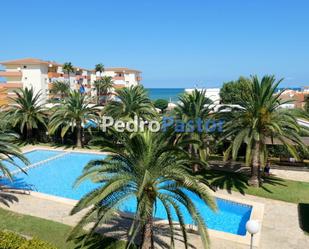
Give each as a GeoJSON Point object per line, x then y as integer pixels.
{"type": "Point", "coordinates": [175, 43]}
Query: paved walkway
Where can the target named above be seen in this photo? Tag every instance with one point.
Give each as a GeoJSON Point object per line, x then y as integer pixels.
{"type": "Point", "coordinates": [290, 174]}
{"type": "Point", "coordinates": [280, 228]}
{"type": "Point", "coordinates": [302, 176]}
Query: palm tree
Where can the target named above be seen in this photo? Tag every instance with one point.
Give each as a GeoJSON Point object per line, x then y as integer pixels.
{"type": "Point", "coordinates": [99, 68]}
{"type": "Point", "coordinates": [26, 111]}
{"type": "Point", "coordinates": [68, 68]}
{"type": "Point", "coordinates": [8, 150]}
{"type": "Point", "coordinates": [195, 106]}
{"type": "Point", "coordinates": [259, 119]}
{"type": "Point", "coordinates": [74, 112]}
{"type": "Point", "coordinates": [148, 168]}
{"type": "Point", "coordinates": [60, 87]}
{"type": "Point", "coordinates": [103, 86]}
{"type": "Point", "coordinates": [133, 101]}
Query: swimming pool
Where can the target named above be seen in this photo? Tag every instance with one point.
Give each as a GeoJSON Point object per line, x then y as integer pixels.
{"type": "Point", "coordinates": [57, 175]}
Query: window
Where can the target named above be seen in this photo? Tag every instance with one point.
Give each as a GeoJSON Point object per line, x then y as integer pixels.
{"type": "Point", "coordinates": [25, 66]}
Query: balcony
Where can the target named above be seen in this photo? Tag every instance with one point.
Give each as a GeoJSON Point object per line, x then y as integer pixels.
{"type": "Point", "coordinates": [11, 85]}
{"type": "Point", "coordinates": [54, 75]}
{"type": "Point", "coordinates": [118, 78]}
{"type": "Point", "coordinates": [138, 78]}
{"type": "Point", "coordinates": [10, 74]}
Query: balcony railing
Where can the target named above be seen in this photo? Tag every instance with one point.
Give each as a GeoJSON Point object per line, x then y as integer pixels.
{"type": "Point", "coordinates": [54, 75]}
{"type": "Point", "coordinates": [11, 85]}
{"type": "Point", "coordinates": [118, 78]}
{"type": "Point", "coordinates": [10, 74]}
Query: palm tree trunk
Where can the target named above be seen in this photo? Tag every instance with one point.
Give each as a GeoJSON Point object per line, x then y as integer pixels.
{"type": "Point", "coordinates": [193, 153]}
{"type": "Point", "coordinates": [79, 134]}
{"type": "Point", "coordinates": [29, 133]}
{"type": "Point", "coordinates": [255, 166]}
{"type": "Point", "coordinates": [147, 236]}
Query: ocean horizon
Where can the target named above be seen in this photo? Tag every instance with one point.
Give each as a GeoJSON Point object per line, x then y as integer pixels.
{"type": "Point", "coordinates": [169, 94]}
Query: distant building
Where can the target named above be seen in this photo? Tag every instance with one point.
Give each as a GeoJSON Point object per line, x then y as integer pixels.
{"type": "Point", "coordinates": [296, 99]}
{"type": "Point", "coordinates": [40, 75]}
{"type": "Point", "coordinates": [211, 93]}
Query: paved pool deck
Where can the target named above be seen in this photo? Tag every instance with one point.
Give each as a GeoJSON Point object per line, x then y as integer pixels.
{"type": "Point", "coordinates": [280, 228]}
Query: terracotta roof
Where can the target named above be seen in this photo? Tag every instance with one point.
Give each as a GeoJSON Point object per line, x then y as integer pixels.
{"type": "Point", "coordinates": [121, 69]}
{"type": "Point", "coordinates": [26, 61]}
{"type": "Point", "coordinates": [35, 61]}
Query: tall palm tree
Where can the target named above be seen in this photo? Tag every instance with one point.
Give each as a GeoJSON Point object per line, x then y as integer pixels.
{"type": "Point", "coordinates": [60, 87]}
{"type": "Point", "coordinates": [8, 150]}
{"type": "Point", "coordinates": [194, 106]}
{"type": "Point", "coordinates": [68, 68]}
{"type": "Point", "coordinates": [260, 119]}
{"type": "Point", "coordinates": [26, 111]}
{"type": "Point", "coordinates": [99, 68]}
{"type": "Point", "coordinates": [103, 86]}
{"type": "Point", "coordinates": [148, 168]}
{"type": "Point", "coordinates": [73, 113]}
{"type": "Point", "coordinates": [133, 101]}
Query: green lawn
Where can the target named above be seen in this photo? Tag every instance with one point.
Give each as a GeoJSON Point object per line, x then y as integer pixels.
{"type": "Point", "coordinates": [50, 231]}
{"type": "Point", "coordinates": [53, 232]}
{"type": "Point", "coordinates": [273, 188]}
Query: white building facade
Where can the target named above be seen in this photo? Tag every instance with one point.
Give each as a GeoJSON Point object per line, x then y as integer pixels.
{"type": "Point", "coordinates": [40, 75]}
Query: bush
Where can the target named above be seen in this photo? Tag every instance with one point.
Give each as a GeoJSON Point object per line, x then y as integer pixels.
{"type": "Point", "coordinates": [36, 244]}
{"type": "Point", "coordinates": [161, 104]}
{"type": "Point", "coordinates": [9, 240]}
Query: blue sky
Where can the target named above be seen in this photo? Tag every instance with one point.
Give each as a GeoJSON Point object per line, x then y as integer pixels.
{"type": "Point", "coordinates": [176, 43]}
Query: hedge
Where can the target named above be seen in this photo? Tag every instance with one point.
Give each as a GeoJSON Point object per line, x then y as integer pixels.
{"type": "Point", "coordinates": [9, 240]}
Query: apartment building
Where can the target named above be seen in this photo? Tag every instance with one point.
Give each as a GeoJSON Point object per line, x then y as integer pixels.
{"type": "Point", "coordinates": [41, 74]}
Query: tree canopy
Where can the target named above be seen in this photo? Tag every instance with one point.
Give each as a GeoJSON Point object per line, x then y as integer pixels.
{"type": "Point", "coordinates": [161, 104]}
{"type": "Point", "coordinates": [233, 92]}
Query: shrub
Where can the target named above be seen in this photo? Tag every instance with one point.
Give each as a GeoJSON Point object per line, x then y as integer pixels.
{"type": "Point", "coordinates": [9, 240]}
{"type": "Point", "coordinates": [161, 104]}
{"type": "Point", "coordinates": [36, 244]}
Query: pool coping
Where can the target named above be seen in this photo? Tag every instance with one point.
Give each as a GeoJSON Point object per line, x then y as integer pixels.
{"type": "Point", "coordinates": [257, 211]}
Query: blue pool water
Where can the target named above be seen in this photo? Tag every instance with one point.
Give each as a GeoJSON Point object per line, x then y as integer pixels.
{"type": "Point", "coordinates": [57, 176]}
{"type": "Point", "coordinates": [33, 157]}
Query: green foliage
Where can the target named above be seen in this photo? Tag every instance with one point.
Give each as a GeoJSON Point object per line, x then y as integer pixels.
{"type": "Point", "coordinates": [10, 240]}
{"type": "Point", "coordinates": [27, 111]}
{"type": "Point", "coordinates": [60, 87]}
{"type": "Point", "coordinates": [194, 106]}
{"type": "Point", "coordinates": [36, 244]}
{"type": "Point", "coordinates": [260, 118]}
{"type": "Point", "coordinates": [233, 92]}
{"type": "Point", "coordinates": [97, 241]}
{"type": "Point", "coordinates": [74, 112]}
{"type": "Point", "coordinates": [68, 68]}
{"type": "Point", "coordinates": [99, 67]}
{"type": "Point", "coordinates": [103, 86]}
{"type": "Point", "coordinates": [8, 150]}
{"type": "Point", "coordinates": [161, 104]}
{"type": "Point", "coordinates": [133, 101]}
{"type": "Point", "coordinates": [149, 167]}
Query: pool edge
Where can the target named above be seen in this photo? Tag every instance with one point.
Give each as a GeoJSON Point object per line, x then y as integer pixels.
{"type": "Point", "coordinates": [257, 213]}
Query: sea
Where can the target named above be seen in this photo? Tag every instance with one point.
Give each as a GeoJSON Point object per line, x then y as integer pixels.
{"type": "Point", "coordinates": [170, 94]}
